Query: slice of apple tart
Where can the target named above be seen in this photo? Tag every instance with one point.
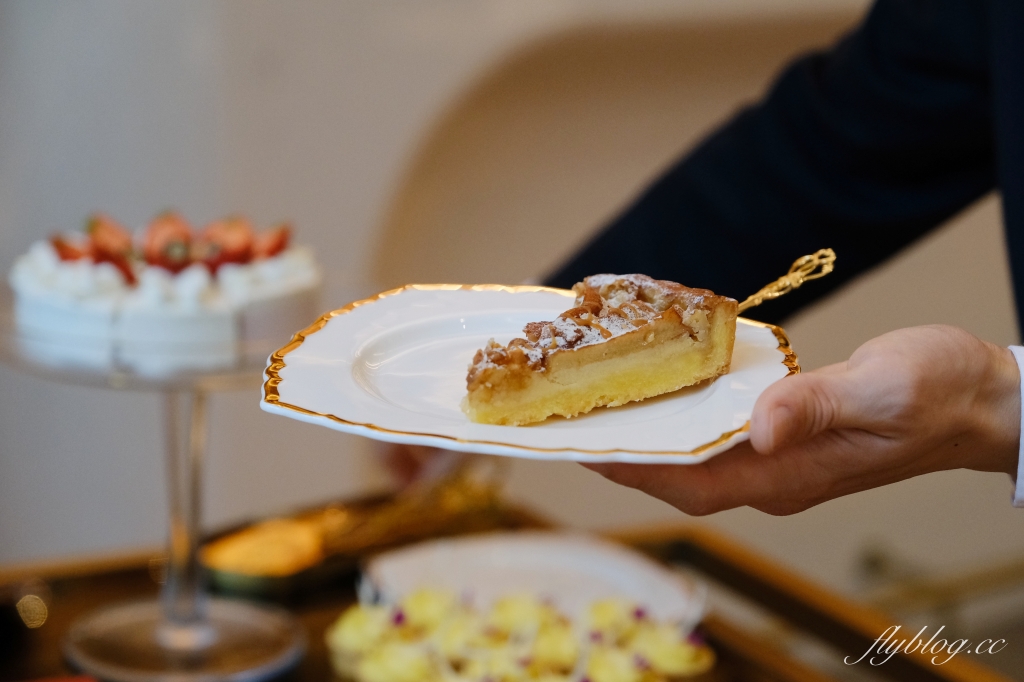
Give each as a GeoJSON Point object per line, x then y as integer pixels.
{"type": "Point", "coordinates": [629, 337]}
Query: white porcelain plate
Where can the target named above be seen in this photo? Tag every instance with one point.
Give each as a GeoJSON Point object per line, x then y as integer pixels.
{"type": "Point", "coordinates": [393, 368]}
{"type": "Point", "coordinates": [571, 570]}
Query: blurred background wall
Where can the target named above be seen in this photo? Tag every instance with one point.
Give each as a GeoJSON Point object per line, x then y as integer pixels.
{"type": "Point", "coordinates": [451, 140]}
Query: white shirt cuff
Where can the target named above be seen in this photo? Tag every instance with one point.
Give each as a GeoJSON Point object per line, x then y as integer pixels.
{"type": "Point", "coordinates": [1018, 480]}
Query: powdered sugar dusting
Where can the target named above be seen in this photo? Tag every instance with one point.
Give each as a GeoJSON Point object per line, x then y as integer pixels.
{"type": "Point", "coordinates": [606, 306]}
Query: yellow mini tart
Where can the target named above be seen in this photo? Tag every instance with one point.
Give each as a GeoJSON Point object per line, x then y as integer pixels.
{"type": "Point", "coordinates": [628, 337]}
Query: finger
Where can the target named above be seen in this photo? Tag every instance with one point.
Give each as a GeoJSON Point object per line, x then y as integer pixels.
{"type": "Point", "coordinates": [735, 478]}
{"type": "Point", "coordinates": [797, 408]}
{"type": "Point", "coordinates": [408, 463]}
{"type": "Point", "coordinates": [684, 487]}
{"type": "Point", "coordinates": [400, 464]}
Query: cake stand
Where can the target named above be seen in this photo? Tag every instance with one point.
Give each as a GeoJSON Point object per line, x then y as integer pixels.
{"type": "Point", "coordinates": [185, 635]}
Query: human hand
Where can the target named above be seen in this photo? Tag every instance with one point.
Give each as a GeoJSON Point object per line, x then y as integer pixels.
{"type": "Point", "coordinates": [414, 467]}
{"type": "Point", "coordinates": [906, 403]}
{"type": "Point", "coordinates": [407, 463]}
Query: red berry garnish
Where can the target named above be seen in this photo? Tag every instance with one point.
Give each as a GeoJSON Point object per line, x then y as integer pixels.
{"type": "Point", "coordinates": [225, 241]}
{"type": "Point", "coordinates": [66, 250]}
{"type": "Point", "coordinates": [107, 238]}
{"type": "Point", "coordinates": [272, 242]}
{"type": "Point", "coordinates": [167, 242]}
{"type": "Point", "coordinates": [110, 243]}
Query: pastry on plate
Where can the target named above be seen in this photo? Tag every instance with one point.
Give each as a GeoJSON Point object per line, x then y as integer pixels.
{"type": "Point", "coordinates": [519, 638]}
{"type": "Point", "coordinates": [278, 547]}
{"type": "Point", "coordinates": [628, 337]}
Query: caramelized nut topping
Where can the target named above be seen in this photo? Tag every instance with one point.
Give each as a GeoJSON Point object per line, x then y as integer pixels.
{"type": "Point", "coordinates": [606, 306]}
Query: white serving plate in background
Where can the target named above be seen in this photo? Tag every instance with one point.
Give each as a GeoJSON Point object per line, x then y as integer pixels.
{"type": "Point", "coordinates": [571, 570]}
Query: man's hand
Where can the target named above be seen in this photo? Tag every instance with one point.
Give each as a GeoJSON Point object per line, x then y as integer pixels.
{"type": "Point", "coordinates": [407, 464]}
{"type": "Point", "coordinates": [906, 403]}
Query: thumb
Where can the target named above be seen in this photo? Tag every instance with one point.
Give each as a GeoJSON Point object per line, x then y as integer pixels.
{"type": "Point", "coordinates": [797, 408]}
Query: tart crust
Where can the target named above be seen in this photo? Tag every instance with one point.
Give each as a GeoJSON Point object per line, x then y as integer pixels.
{"type": "Point", "coordinates": [629, 337]}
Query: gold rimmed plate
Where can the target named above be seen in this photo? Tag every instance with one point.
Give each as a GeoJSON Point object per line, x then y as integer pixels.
{"type": "Point", "coordinates": [393, 368]}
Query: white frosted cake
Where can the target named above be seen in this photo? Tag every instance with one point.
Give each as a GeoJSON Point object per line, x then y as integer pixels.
{"type": "Point", "coordinates": [166, 299]}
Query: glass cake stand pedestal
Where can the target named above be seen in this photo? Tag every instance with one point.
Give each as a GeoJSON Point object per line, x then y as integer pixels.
{"type": "Point", "coordinates": [186, 635]}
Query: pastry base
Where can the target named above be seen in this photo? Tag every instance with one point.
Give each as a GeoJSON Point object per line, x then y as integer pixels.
{"type": "Point", "coordinates": [659, 358]}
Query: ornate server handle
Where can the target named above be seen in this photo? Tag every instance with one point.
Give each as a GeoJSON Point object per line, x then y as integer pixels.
{"type": "Point", "coordinates": [803, 269]}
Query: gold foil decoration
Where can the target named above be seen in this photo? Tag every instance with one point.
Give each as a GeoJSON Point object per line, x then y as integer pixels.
{"type": "Point", "coordinates": [803, 270]}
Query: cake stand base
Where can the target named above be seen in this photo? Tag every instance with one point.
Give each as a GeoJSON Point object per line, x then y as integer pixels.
{"type": "Point", "coordinates": [236, 642]}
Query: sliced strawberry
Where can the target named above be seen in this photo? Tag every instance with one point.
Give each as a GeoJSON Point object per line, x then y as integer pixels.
{"type": "Point", "coordinates": [225, 241]}
{"type": "Point", "coordinates": [272, 242]}
{"type": "Point", "coordinates": [110, 243]}
{"type": "Point", "coordinates": [67, 250]}
{"type": "Point", "coordinates": [167, 242]}
{"type": "Point", "coordinates": [107, 238]}
{"type": "Point", "coordinates": [124, 266]}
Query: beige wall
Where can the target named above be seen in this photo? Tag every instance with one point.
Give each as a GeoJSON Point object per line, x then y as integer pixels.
{"type": "Point", "coordinates": [334, 114]}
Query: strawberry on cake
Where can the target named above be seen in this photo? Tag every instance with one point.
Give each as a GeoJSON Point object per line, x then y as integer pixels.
{"type": "Point", "coordinates": [169, 298]}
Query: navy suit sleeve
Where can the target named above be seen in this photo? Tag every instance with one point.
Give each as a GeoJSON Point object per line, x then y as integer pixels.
{"type": "Point", "coordinates": [862, 148]}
